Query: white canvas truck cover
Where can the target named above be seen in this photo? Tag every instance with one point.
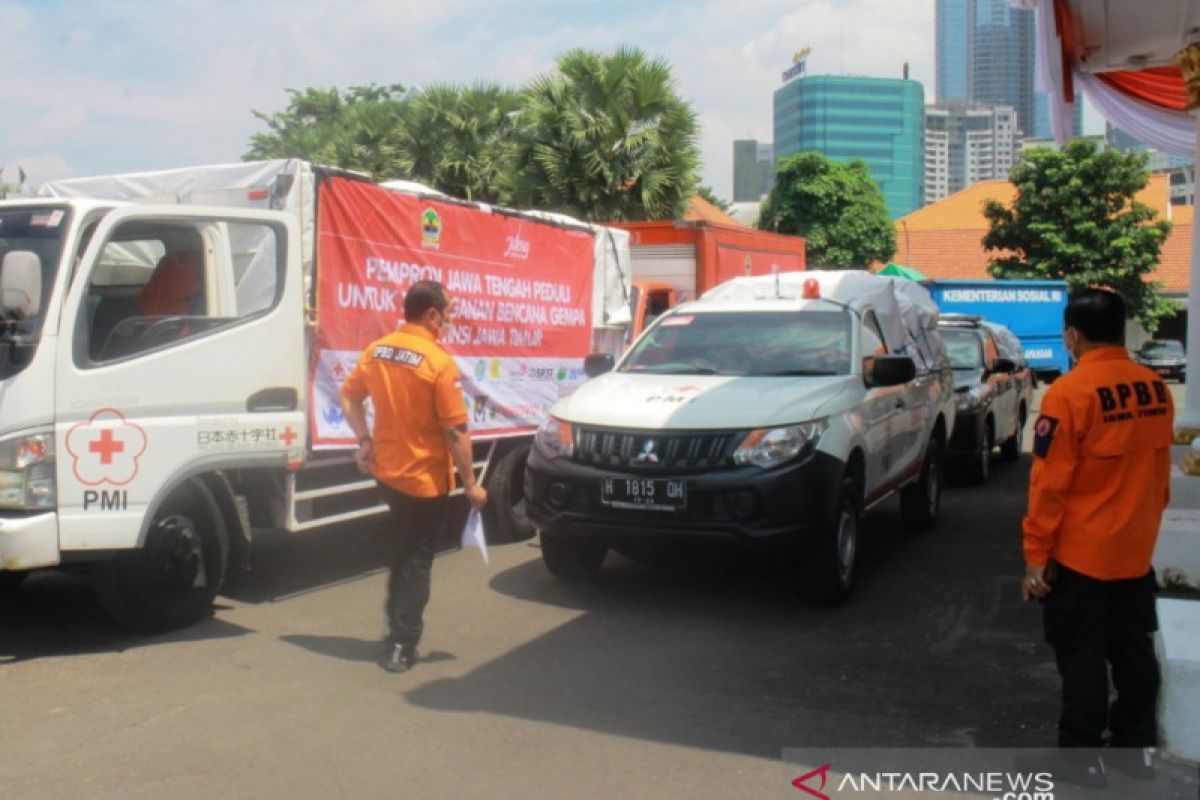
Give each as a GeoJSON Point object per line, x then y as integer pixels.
{"type": "Point", "coordinates": [905, 310]}
{"type": "Point", "coordinates": [280, 185]}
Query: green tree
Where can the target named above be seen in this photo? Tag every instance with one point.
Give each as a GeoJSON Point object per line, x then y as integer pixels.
{"type": "Point", "coordinates": [355, 129]}
{"type": "Point", "coordinates": [606, 137]}
{"type": "Point", "coordinates": [1075, 219]}
{"type": "Point", "coordinates": [455, 139]}
{"type": "Point", "coordinates": [836, 207]}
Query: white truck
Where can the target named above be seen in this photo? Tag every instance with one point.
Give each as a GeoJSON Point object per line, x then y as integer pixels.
{"type": "Point", "coordinates": [172, 343]}
{"type": "Point", "coordinates": [774, 410]}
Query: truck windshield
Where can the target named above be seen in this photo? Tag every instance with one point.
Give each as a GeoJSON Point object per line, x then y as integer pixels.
{"type": "Point", "coordinates": [964, 349]}
{"type": "Point", "coordinates": [1162, 347]}
{"type": "Point", "coordinates": [775, 343]}
{"type": "Point", "coordinates": [27, 234]}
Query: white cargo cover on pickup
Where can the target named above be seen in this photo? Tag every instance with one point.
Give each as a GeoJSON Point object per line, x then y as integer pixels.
{"type": "Point", "coordinates": [905, 309]}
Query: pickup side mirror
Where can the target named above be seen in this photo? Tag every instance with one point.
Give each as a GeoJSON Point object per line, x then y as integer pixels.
{"type": "Point", "coordinates": [892, 370]}
{"type": "Point", "coordinates": [598, 364]}
{"type": "Point", "coordinates": [21, 285]}
{"type": "Point", "coordinates": [1005, 365]}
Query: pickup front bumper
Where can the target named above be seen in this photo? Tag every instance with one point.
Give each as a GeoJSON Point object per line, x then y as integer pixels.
{"type": "Point", "coordinates": [744, 505]}
{"type": "Point", "coordinates": [28, 541]}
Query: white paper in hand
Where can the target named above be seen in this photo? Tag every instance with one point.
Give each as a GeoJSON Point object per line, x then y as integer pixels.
{"type": "Point", "coordinates": [472, 535]}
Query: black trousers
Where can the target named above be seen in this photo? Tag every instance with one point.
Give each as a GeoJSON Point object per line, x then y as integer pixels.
{"type": "Point", "coordinates": [1095, 624]}
{"type": "Point", "coordinates": [419, 521]}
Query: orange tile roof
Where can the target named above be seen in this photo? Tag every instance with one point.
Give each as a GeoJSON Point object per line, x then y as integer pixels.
{"type": "Point", "coordinates": [700, 210]}
{"type": "Point", "coordinates": [943, 240]}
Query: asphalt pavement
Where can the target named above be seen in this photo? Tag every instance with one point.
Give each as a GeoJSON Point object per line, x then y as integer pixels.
{"type": "Point", "coordinates": [683, 681]}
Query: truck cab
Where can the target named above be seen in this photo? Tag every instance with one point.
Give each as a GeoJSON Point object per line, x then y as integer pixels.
{"type": "Point", "coordinates": [771, 412]}
{"type": "Point", "coordinates": [146, 349]}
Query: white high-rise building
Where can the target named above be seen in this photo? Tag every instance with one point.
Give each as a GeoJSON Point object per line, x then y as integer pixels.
{"type": "Point", "coordinates": [965, 144]}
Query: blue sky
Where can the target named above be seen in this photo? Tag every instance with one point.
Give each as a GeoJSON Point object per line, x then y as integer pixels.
{"type": "Point", "coordinates": [125, 85]}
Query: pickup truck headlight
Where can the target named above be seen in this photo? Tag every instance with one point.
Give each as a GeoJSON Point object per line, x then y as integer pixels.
{"type": "Point", "coordinates": [770, 447]}
{"type": "Point", "coordinates": [973, 398]}
{"type": "Point", "coordinates": [554, 438]}
{"type": "Point", "coordinates": [27, 472]}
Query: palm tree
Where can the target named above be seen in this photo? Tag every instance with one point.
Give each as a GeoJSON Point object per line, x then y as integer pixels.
{"type": "Point", "coordinates": [452, 138]}
{"type": "Point", "coordinates": [606, 137]}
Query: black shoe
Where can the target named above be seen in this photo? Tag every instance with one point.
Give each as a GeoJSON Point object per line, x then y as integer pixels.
{"type": "Point", "coordinates": [400, 658]}
{"type": "Point", "coordinates": [1136, 762]}
{"type": "Point", "coordinates": [1077, 767]}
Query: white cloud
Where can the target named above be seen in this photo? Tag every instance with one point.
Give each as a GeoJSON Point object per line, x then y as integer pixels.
{"type": "Point", "coordinates": [136, 85]}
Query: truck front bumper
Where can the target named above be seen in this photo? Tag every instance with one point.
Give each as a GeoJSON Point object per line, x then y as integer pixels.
{"type": "Point", "coordinates": [28, 541]}
{"type": "Point", "coordinates": [968, 433]}
{"type": "Point", "coordinates": [745, 505]}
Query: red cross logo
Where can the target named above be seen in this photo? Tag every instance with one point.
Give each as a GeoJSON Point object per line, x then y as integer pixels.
{"type": "Point", "coordinates": [288, 436]}
{"type": "Point", "coordinates": [106, 446]}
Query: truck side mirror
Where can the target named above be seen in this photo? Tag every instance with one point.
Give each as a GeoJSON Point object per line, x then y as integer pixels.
{"type": "Point", "coordinates": [1005, 365]}
{"type": "Point", "coordinates": [21, 285]}
{"type": "Point", "coordinates": [892, 370]}
{"type": "Point", "coordinates": [598, 364]}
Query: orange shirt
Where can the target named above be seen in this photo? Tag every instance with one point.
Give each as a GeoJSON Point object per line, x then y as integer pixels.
{"type": "Point", "coordinates": [1102, 468]}
{"type": "Point", "coordinates": [414, 387]}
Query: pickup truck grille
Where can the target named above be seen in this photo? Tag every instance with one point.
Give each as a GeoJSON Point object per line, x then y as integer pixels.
{"type": "Point", "coordinates": [651, 451]}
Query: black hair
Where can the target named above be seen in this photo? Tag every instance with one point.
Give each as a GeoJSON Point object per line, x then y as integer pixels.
{"type": "Point", "coordinates": [422, 296]}
{"type": "Point", "coordinates": [1098, 314]}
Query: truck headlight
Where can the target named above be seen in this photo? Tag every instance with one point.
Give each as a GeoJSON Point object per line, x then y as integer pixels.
{"type": "Point", "coordinates": [770, 447]}
{"type": "Point", "coordinates": [972, 398]}
{"type": "Point", "coordinates": [27, 472]}
{"type": "Point", "coordinates": [554, 438]}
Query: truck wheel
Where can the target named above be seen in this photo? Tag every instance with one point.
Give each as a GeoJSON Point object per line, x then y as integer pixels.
{"type": "Point", "coordinates": [574, 559]}
{"type": "Point", "coordinates": [1011, 449]}
{"type": "Point", "coordinates": [172, 580]}
{"type": "Point", "coordinates": [9, 581]}
{"type": "Point", "coordinates": [504, 517]}
{"type": "Point", "coordinates": [827, 568]}
{"type": "Point", "coordinates": [980, 468]}
{"type": "Point", "coordinates": [919, 503]}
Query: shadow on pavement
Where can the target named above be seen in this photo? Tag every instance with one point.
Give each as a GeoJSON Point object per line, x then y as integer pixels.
{"type": "Point", "coordinates": [348, 648]}
{"type": "Point", "coordinates": [934, 650]}
{"type": "Point", "coordinates": [56, 614]}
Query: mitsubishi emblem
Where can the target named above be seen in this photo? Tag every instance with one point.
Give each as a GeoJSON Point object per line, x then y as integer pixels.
{"type": "Point", "coordinates": [647, 456]}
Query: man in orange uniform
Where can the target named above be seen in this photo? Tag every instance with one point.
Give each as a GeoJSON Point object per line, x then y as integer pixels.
{"type": "Point", "coordinates": [1100, 482]}
{"type": "Point", "coordinates": [420, 437]}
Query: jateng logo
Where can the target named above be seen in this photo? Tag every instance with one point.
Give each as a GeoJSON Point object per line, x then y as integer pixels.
{"type": "Point", "coordinates": [431, 228]}
{"type": "Point", "coordinates": [517, 248]}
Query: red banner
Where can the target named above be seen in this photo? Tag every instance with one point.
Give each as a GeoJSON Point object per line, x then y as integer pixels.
{"type": "Point", "coordinates": [736, 262]}
{"type": "Point", "coordinates": [522, 291]}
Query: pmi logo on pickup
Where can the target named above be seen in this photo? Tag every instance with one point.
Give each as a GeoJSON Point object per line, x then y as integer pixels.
{"type": "Point", "coordinates": [105, 500]}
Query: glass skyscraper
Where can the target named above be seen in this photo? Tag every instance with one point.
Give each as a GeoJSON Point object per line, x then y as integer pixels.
{"type": "Point", "coordinates": [985, 54]}
{"type": "Point", "coordinates": [880, 121]}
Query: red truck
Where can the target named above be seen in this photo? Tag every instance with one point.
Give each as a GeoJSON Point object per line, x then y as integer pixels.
{"type": "Point", "coordinates": [677, 261]}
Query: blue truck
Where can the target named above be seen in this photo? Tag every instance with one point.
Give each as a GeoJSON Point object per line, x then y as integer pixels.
{"type": "Point", "coordinates": [1032, 310]}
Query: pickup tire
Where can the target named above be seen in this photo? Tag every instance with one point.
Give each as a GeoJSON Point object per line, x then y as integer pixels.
{"type": "Point", "coordinates": [504, 516]}
{"type": "Point", "coordinates": [9, 581]}
{"type": "Point", "coordinates": [573, 559]}
{"type": "Point", "coordinates": [1010, 450]}
{"type": "Point", "coordinates": [921, 501]}
{"type": "Point", "coordinates": [172, 580]}
{"type": "Point", "coordinates": [979, 470]}
{"type": "Point", "coordinates": [827, 567]}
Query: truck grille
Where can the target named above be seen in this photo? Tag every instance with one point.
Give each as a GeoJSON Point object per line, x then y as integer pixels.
{"type": "Point", "coordinates": [651, 451]}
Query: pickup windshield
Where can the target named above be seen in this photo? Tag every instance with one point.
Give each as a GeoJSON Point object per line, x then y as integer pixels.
{"type": "Point", "coordinates": [25, 233]}
{"type": "Point", "coordinates": [964, 349]}
{"type": "Point", "coordinates": [1161, 348]}
{"type": "Point", "coordinates": [760, 344]}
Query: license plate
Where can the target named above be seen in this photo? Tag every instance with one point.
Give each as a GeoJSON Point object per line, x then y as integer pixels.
{"type": "Point", "coordinates": [1163, 371]}
{"type": "Point", "coordinates": [657, 494]}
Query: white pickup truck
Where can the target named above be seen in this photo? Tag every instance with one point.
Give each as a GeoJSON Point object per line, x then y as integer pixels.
{"type": "Point", "coordinates": [774, 410]}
